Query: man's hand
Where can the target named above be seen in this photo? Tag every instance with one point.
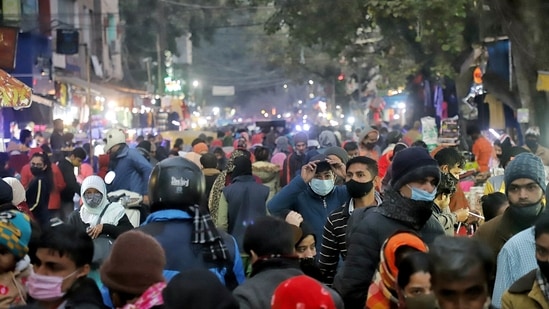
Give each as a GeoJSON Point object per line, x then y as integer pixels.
{"type": "Point", "coordinates": [462, 214]}
{"type": "Point", "coordinates": [338, 168]}
{"type": "Point", "coordinates": [294, 218]}
{"type": "Point", "coordinates": [308, 171]}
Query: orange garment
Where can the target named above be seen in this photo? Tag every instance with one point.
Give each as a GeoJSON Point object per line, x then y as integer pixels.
{"type": "Point", "coordinates": [482, 150]}
{"type": "Point", "coordinates": [58, 180]}
{"type": "Point", "coordinates": [381, 293]}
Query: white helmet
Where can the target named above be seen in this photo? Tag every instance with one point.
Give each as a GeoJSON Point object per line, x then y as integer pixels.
{"type": "Point", "coordinates": [114, 137]}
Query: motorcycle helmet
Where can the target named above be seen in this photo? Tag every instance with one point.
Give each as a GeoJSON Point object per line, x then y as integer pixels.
{"type": "Point", "coordinates": [114, 137]}
{"type": "Point", "coordinates": [176, 183]}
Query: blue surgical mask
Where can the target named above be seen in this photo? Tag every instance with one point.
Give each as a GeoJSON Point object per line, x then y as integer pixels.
{"type": "Point", "coordinates": [422, 195]}
{"type": "Point", "coordinates": [322, 187]}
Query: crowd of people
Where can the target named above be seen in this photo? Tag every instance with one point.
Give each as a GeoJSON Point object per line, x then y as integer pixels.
{"type": "Point", "coordinates": [373, 220]}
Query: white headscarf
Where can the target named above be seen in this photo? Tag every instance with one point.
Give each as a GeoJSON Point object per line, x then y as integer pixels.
{"type": "Point", "coordinates": [19, 195]}
{"type": "Point", "coordinates": [89, 215]}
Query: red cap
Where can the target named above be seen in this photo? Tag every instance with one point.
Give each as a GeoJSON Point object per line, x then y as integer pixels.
{"type": "Point", "coordinates": [302, 292]}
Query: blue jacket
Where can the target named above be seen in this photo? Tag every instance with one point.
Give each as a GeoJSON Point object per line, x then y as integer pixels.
{"type": "Point", "coordinates": [132, 171]}
{"type": "Point", "coordinates": [173, 229]}
{"type": "Point", "coordinates": [298, 196]}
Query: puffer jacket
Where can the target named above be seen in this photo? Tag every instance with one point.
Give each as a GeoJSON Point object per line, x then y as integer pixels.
{"type": "Point", "coordinates": [269, 174]}
{"type": "Point", "coordinates": [132, 171]}
{"type": "Point", "coordinates": [363, 247]}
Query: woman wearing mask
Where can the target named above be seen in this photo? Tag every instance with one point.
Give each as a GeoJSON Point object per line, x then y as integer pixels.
{"type": "Point", "coordinates": [414, 282]}
{"type": "Point", "coordinates": [39, 189]}
{"type": "Point", "coordinates": [93, 217]}
{"type": "Point", "coordinates": [382, 293]}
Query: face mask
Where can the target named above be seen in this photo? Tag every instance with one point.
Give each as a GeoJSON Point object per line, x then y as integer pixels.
{"type": "Point", "coordinates": [93, 199]}
{"type": "Point", "coordinates": [307, 262]}
{"type": "Point", "coordinates": [544, 268]}
{"type": "Point", "coordinates": [46, 287]}
{"type": "Point", "coordinates": [359, 189]}
{"type": "Point", "coordinates": [425, 301]}
{"type": "Point", "coordinates": [422, 195]}
{"type": "Point", "coordinates": [532, 144]}
{"type": "Point", "coordinates": [36, 171]}
{"type": "Point", "coordinates": [370, 146]}
{"type": "Point", "coordinates": [322, 187]}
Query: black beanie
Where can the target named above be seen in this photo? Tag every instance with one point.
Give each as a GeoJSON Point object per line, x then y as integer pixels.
{"type": "Point", "coordinates": [413, 164]}
{"type": "Point", "coordinates": [242, 166]}
{"type": "Point", "coordinates": [6, 193]}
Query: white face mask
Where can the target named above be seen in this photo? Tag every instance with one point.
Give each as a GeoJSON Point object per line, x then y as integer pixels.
{"type": "Point", "coordinates": [322, 187]}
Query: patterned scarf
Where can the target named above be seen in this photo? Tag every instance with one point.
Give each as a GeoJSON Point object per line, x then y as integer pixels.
{"type": "Point", "coordinates": [219, 185]}
{"type": "Point", "coordinates": [206, 234]}
{"type": "Point", "coordinates": [150, 298]}
{"type": "Point", "coordinates": [382, 293]}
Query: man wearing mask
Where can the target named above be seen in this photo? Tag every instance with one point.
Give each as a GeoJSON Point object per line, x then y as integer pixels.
{"type": "Point", "coordinates": [530, 290]}
{"type": "Point", "coordinates": [360, 182]}
{"type": "Point", "coordinates": [61, 265]}
{"type": "Point", "coordinates": [312, 194]}
{"type": "Point", "coordinates": [525, 187]}
{"type": "Point", "coordinates": [532, 144]}
{"type": "Point", "coordinates": [407, 204]}
{"type": "Point", "coordinates": [368, 144]}
{"type": "Point", "coordinates": [295, 160]}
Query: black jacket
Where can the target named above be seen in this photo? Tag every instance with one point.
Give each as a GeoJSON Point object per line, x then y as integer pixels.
{"type": "Point", "coordinates": [113, 231]}
{"type": "Point", "coordinates": [363, 247]}
{"type": "Point", "coordinates": [67, 170]}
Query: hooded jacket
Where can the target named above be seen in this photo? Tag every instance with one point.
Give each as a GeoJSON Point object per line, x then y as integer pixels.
{"type": "Point", "coordinates": [363, 247]}
{"type": "Point", "coordinates": [269, 174]}
{"type": "Point", "coordinates": [370, 153]}
{"type": "Point", "coordinates": [114, 220]}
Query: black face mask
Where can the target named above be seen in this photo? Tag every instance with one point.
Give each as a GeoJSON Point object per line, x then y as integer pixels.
{"type": "Point", "coordinates": [369, 146]}
{"type": "Point", "coordinates": [544, 268]}
{"type": "Point", "coordinates": [359, 189]}
{"type": "Point", "coordinates": [36, 171]}
{"type": "Point", "coordinates": [532, 144]}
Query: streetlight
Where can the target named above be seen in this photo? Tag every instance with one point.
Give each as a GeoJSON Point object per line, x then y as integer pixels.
{"type": "Point", "coordinates": [311, 82]}
{"type": "Point", "coordinates": [285, 86]}
{"type": "Point", "coordinates": [195, 83]}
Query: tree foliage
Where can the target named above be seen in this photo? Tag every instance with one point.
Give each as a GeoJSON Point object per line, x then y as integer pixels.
{"type": "Point", "coordinates": [413, 34]}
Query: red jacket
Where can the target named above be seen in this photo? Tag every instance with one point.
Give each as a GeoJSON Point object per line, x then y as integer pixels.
{"type": "Point", "coordinates": [383, 164]}
{"type": "Point", "coordinates": [58, 180]}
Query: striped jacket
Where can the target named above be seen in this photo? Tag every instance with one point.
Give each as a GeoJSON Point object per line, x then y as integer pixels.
{"type": "Point", "coordinates": [334, 244]}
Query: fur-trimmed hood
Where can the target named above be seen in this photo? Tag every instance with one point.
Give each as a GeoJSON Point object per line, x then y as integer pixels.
{"type": "Point", "coordinates": [266, 171]}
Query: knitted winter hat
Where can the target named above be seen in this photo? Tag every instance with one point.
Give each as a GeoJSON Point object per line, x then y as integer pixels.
{"type": "Point", "coordinates": [6, 192]}
{"type": "Point", "coordinates": [525, 165]}
{"type": "Point", "coordinates": [302, 292]}
{"type": "Point", "coordinates": [200, 148]}
{"type": "Point", "coordinates": [15, 232]}
{"type": "Point", "coordinates": [19, 194]}
{"type": "Point", "coordinates": [136, 262]}
{"type": "Point", "coordinates": [301, 137]}
{"type": "Point", "coordinates": [413, 164]}
{"type": "Point", "coordinates": [338, 152]}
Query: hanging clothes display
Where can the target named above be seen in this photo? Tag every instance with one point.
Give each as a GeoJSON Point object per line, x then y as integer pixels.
{"type": "Point", "coordinates": [497, 116]}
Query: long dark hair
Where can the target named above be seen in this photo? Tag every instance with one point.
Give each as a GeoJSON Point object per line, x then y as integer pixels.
{"type": "Point", "coordinates": [48, 172]}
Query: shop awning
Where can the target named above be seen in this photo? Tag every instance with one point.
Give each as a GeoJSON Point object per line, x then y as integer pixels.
{"type": "Point", "coordinates": [95, 89]}
{"type": "Point", "coordinates": [41, 100]}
